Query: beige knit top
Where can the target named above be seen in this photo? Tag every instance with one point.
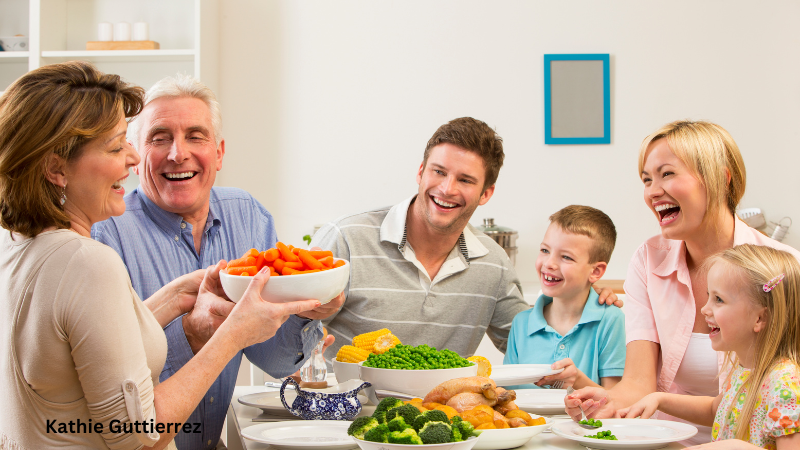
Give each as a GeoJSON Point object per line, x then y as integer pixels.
{"type": "Point", "coordinates": [76, 344]}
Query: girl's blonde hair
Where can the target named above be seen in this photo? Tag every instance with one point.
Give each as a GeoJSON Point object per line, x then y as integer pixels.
{"type": "Point", "coordinates": [780, 339]}
{"type": "Point", "coordinates": [707, 150]}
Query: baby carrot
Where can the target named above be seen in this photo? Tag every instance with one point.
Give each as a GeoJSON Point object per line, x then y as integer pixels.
{"type": "Point", "coordinates": [252, 252]}
{"type": "Point", "coordinates": [320, 253]}
{"type": "Point", "coordinates": [278, 265]}
{"type": "Point", "coordinates": [309, 260]}
{"type": "Point", "coordinates": [286, 254]}
{"type": "Point", "coordinates": [272, 272]}
{"type": "Point", "coordinates": [242, 270]}
{"type": "Point", "coordinates": [296, 250]}
{"type": "Point", "coordinates": [288, 271]}
{"type": "Point", "coordinates": [271, 254]}
{"type": "Point", "coordinates": [246, 261]}
{"type": "Point", "coordinates": [327, 261]}
{"type": "Point", "coordinates": [297, 265]}
{"type": "Point", "coordinates": [260, 261]}
{"type": "Point", "coordinates": [338, 263]}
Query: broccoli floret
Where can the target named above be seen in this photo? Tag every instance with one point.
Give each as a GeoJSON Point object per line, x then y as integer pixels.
{"type": "Point", "coordinates": [387, 404]}
{"type": "Point", "coordinates": [433, 415]}
{"type": "Point", "coordinates": [436, 433]}
{"type": "Point", "coordinates": [361, 425]}
{"type": "Point", "coordinates": [378, 434]}
{"type": "Point", "coordinates": [380, 416]}
{"type": "Point", "coordinates": [463, 426]}
{"type": "Point", "coordinates": [455, 435]}
{"type": "Point", "coordinates": [407, 436]}
{"type": "Point", "coordinates": [407, 411]}
{"type": "Point", "coordinates": [398, 424]}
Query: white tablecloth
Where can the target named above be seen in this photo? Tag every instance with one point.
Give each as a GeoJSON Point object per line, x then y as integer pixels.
{"type": "Point", "coordinates": [241, 416]}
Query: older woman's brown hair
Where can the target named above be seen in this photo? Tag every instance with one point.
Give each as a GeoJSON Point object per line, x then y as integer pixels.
{"type": "Point", "coordinates": [53, 110]}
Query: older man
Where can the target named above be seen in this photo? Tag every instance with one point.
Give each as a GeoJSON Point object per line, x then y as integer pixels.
{"type": "Point", "coordinates": [177, 222]}
{"type": "Point", "coordinates": [419, 268]}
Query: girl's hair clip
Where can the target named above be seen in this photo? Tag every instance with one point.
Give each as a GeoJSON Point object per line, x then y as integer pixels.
{"type": "Point", "coordinates": [773, 282]}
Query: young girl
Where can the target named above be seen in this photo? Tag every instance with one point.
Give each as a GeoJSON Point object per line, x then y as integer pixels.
{"type": "Point", "coordinates": [753, 311]}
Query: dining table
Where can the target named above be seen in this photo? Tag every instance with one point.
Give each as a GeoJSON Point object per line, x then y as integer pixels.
{"type": "Point", "coordinates": [241, 416]}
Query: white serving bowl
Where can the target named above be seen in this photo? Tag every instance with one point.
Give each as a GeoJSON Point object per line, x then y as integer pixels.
{"type": "Point", "coordinates": [345, 371]}
{"type": "Point", "coordinates": [414, 382]}
{"type": "Point", "coordinates": [14, 43]}
{"type": "Point", "coordinates": [323, 286]}
{"type": "Point", "coordinates": [509, 437]}
{"type": "Point", "coordinates": [463, 445]}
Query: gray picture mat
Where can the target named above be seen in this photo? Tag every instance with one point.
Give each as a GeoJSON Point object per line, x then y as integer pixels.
{"type": "Point", "coordinates": [577, 103]}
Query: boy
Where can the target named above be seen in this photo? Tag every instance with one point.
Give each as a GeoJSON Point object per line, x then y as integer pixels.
{"type": "Point", "coordinates": [567, 327]}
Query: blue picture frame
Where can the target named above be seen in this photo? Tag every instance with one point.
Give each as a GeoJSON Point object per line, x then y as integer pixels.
{"type": "Point", "coordinates": [548, 136]}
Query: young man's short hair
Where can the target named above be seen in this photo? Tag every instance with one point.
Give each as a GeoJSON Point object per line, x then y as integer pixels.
{"type": "Point", "coordinates": [475, 136]}
{"type": "Point", "coordinates": [592, 222]}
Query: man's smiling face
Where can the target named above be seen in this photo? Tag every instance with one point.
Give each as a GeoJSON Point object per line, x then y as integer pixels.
{"type": "Point", "coordinates": [451, 187]}
{"type": "Point", "coordinates": [180, 157]}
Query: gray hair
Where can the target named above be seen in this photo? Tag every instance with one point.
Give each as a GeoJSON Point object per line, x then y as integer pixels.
{"type": "Point", "coordinates": [180, 85]}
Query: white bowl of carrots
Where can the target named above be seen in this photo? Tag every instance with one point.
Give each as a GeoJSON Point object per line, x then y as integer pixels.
{"type": "Point", "coordinates": [296, 274]}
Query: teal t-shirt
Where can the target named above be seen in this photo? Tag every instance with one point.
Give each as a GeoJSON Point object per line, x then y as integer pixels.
{"type": "Point", "coordinates": [596, 344]}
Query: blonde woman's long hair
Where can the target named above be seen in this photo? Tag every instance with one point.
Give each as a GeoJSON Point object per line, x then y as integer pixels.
{"type": "Point", "coordinates": [708, 150]}
{"type": "Point", "coordinates": [780, 339]}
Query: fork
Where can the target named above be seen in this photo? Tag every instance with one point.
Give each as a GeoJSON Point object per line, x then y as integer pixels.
{"type": "Point", "coordinates": [557, 385]}
{"type": "Point", "coordinates": [583, 416]}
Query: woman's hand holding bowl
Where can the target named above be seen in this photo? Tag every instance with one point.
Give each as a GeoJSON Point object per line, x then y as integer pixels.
{"type": "Point", "coordinates": [254, 319]}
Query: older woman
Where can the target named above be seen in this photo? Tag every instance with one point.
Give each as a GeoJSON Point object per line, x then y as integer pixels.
{"type": "Point", "coordinates": [81, 353]}
{"type": "Point", "coordinates": [693, 177]}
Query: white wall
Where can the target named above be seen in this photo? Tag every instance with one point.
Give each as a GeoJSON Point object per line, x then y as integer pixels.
{"type": "Point", "coordinates": [328, 104]}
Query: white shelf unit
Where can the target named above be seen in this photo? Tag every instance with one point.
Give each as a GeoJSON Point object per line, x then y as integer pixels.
{"type": "Point", "coordinates": [187, 31]}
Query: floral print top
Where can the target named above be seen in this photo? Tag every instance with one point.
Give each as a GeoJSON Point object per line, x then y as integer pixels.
{"type": "Point", "coordinates": [776, 412]}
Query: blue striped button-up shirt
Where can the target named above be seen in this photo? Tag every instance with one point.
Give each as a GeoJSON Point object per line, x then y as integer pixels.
{"type": "Point", "coordinates": [157, 247]}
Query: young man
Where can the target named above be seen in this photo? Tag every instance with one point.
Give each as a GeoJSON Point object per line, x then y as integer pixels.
{"type": "Point", "coordinates": [418, 267]}
{"type": "Point", "coordinates": [567, 327]}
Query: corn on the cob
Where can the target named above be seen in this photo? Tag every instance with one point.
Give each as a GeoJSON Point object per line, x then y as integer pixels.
{"type": "Point", "coordinates": [385, 342]}
{"type": "Point", "coordinates": [366, 341]}
{"type": "Point", "coordinates": [351, 354]}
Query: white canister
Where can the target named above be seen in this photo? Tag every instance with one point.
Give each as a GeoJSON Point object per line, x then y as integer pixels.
{"type": "Point", "coordinates": [141, 31]}
{"type": "Point", "coordinates": [122, 31]}
{"type": "Point", "coordinates": [105, 31]}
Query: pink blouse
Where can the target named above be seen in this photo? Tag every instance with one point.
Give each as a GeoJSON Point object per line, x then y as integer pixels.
{"type": "Point", "coordinates": [659, 303]}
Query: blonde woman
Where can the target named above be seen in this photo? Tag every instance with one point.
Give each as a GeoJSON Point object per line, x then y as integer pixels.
{"type": "Point", "coordinates": [81, 354]}
{"type": "Point", "coordinates": [693, 177]}
{"type": "Point", "coordinates": [753, 308]}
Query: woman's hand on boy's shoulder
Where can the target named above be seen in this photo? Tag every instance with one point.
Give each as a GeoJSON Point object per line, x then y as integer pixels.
{"type": "Point", "coordinates": [606, 296]}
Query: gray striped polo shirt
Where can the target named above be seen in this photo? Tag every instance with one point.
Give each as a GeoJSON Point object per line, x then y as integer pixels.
{"type": "Point", "coordinates": [475, 292]}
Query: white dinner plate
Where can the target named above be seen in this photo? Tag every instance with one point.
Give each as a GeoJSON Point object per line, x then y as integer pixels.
{"type": "Point", "coordinates": [631, 433]}
{"type": "Point", "coordinates": [302, 434]}
{"type": "Point", "coordinates": [509, 437]}
{"type": "Point", "coordinates": [541, 401]}
{"type": "Point", "coordinates": [511, 374]}
{"type": "Point", "coordinates": [270, 403]}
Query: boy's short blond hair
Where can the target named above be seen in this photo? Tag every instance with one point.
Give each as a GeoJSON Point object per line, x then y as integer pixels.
{"type": "Point", "coordinates": [591, 222]}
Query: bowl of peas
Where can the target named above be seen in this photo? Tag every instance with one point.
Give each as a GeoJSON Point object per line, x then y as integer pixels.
{"type": "Point", "coordinates": [414, 370]}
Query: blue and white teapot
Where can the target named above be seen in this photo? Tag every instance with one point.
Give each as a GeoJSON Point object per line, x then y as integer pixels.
{"type": "Point", "coordinates": [338, 402]}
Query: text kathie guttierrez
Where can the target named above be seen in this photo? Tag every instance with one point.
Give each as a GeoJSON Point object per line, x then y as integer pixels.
{"type": "Point", "coordinates": [115, 426]}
